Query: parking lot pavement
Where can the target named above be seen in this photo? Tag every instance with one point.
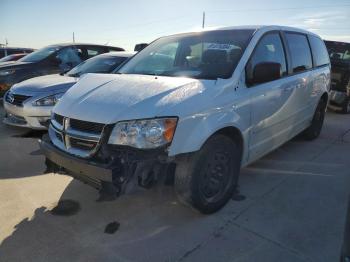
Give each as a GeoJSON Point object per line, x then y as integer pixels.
{"type": "Point", "coordinates": [292, 208]}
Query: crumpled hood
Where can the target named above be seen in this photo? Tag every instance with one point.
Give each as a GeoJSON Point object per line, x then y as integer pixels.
{"type": "Point", "coordinates": [109, 98]}
{"type": "Point", "coordinates": [48, 84]}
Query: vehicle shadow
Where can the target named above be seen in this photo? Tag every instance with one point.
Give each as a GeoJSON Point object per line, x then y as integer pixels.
{"type": "Point", "coordinates": [19, 151]}
{"type": "Point", "coordinates": [21, 156]}
{"type": "Point", "coordinates": [31, 134]}
{"type": "Point", "coordinates": [89, 229]}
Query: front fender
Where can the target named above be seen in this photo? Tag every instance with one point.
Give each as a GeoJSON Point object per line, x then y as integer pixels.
{"type": "Point", "coordinates": [193, 131]}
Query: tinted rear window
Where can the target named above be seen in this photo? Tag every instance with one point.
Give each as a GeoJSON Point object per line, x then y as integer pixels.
{"type": "Point", "coordinates": [300, 52]}
{"type": "Point", "coordinates": [319, 51]}
{"type": "Point", "coordinates": [338, 51]}
{"type": "Point", "coordinates": [95, 50]}
{"type": "Point", "coordinates": [13, 51]}
{"type": "Point", "coordinates": [40, 54]}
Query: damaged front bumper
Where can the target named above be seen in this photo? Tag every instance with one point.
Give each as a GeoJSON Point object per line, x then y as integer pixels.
{"type": "Point", "coordinates": [112, 167]}
{"type": "Point", "coordinates": [82, 169]}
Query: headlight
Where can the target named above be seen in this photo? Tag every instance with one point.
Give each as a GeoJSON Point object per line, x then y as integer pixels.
{"type": "Point", "coordinates": [48, 101]}
{"type": "Point", "coordinates": [7, 72]}
{"type": "Point", "coordinates": [145, 134]}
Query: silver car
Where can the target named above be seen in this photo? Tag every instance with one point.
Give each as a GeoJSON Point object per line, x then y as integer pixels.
{"type": "Point", "coordinates": [29, 103]}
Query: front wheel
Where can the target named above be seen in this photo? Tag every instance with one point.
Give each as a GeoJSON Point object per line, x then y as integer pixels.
{"type": "Point", "coordinates": [314, 130]}
{"type": "Point", "coordinates": [207, 179]}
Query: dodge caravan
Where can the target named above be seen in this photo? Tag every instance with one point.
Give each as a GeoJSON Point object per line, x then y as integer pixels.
{"type": "Point", "coordinates": [198, 106]}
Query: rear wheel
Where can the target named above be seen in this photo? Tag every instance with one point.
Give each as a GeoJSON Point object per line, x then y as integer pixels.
{"type": "Point", "coordinates": [207, 179]}
{"type": "Point", "coordinates": [314, 130]}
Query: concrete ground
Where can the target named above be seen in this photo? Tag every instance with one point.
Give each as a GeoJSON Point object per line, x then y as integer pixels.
{"type": "Point", "coordinates": [293, 210]}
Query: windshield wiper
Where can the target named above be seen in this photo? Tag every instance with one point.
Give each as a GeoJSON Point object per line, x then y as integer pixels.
{"type": "Point", "coordinates": [144, 73]}
{"type": "Point", "coordinates": [149, 74]}
{"type": "Point", "coordinates": [74, 75]}
{"type": "Point", "coordinates": [211, 78]}
{"type": "Point", "coordinates": [205, 77]}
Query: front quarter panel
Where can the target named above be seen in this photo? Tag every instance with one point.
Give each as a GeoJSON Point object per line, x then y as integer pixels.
{"type": "Point", "coordinates": [193, 130]}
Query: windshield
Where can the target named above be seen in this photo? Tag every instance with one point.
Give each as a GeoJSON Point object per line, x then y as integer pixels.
{"type": "Point", "coordinates": [205, 55]}
{"type": "Point", "coordinates": [98, 64]}
{"type": "Point", "coordinates": [338, 51]}
{"type": "Point", "coordinates": [39, 54]}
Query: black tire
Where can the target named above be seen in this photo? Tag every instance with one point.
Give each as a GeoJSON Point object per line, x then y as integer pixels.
{"type": "Point", "coordinates": [314, 130]}
{"type": "Point", "coordinates": [346, 106]}
{"type": "Point", "coordinates": [207, 178]}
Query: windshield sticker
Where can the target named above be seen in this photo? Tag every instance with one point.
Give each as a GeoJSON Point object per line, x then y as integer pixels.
{"type": "Point", "coordinates": [220, 46]}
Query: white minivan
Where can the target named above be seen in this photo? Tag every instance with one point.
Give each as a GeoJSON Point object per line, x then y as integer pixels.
{"type": "Point", "coordinates": [196, 106]}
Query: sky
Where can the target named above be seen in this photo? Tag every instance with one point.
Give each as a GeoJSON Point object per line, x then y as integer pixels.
{"type": "Point", "coordinates": [37, 23]}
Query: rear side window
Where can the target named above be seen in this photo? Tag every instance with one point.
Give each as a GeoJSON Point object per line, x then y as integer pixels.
{"type": "Point", "coordinates": [269, 49]}
{"type": "Point", "coordinates": [13, 51]}
{"type": "Point", "coordinates": [319, 51]}
{"type": "Point", "coordinates": [300, 52]}
{"type": "Point", "coordinates": [114, 49]}
{"type": "Point", "coordinates": [95, 50]}
{"type": "Point", "coordinates": [69, 56]}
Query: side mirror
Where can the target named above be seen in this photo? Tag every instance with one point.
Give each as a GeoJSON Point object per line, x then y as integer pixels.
{"type": "Point", "coordinates": [139, 47]}
{"type": "Point", "coordinates": [265, 72]}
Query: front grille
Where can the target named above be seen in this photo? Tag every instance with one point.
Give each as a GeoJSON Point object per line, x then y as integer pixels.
{"type": "Point", "coordinates": [58, 118]}
{"type": "Point", "coordinates": [85, 126]}
{"type": "Point", "coordinates": [82, 144]}
{"type": "Point", "coordinates": [59, 137]}
{"type": "Point", "coordinates": [15, 119]}
{"type": "Point", "coordinates": [75, 136]}
{"type": "Point", "coordinates": [16, 99]}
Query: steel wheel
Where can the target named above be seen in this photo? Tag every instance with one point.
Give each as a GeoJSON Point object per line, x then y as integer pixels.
{"type": "Point", "coordinates": [216, 177]}
{"type": "Point", "coordinates": [207, 178]}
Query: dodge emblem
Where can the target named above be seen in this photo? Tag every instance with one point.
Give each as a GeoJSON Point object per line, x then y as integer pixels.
{"type": "Point", "coordinates": [11, 98]}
